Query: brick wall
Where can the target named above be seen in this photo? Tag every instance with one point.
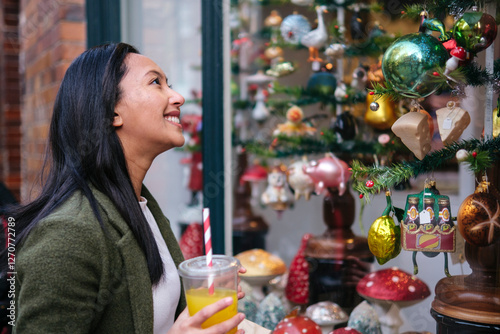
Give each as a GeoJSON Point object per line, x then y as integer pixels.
{"type": "Point", "coordinates": [52, 34]}
{"type": "Point", "coordinates": [10, 112]}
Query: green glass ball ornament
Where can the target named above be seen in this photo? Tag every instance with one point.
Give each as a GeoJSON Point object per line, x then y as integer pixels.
{"type": "Point", "coordinates": [322, 84]}
{"type": "Point", "coordinates": [409, 63]}
{"type": "Point", "coordinates": [475, 31]}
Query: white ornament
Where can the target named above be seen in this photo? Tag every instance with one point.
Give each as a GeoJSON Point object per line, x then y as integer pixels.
{"type": "Point", "coordinates": [461, 155]}
{"type": "Point", "coordinates": [452, 121]}
{"type": "Point", "coordinates": [301, 183]}
{"type": "Point", "coordinates": [413, 129]}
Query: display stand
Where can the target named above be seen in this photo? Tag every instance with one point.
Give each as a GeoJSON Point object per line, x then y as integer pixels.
{"type": "Point", "coordinates": [332, 254]}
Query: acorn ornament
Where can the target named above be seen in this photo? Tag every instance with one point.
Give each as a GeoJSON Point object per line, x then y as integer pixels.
{"type": "Point", "coordinates": [478, 217]}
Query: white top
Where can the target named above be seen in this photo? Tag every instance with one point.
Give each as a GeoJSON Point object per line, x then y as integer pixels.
{"type": "Point", "coordinates": [167, 292]}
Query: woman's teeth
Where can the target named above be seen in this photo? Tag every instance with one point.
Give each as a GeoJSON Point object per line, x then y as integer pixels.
{"type": "Point", "coordinates": [173, 119]}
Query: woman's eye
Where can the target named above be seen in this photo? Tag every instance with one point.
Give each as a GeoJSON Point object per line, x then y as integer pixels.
{"type": "Point", "coordinates": [156, 81]}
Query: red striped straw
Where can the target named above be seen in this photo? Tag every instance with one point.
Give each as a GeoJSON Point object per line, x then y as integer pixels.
{"type": "Point", "coordinates": [208, 247]}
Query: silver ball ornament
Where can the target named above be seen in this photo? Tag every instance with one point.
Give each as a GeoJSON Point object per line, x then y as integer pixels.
{"type": "Point", "coordinates": [374, 106]}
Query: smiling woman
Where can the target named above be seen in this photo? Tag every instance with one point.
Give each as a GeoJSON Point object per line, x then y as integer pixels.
{"type": "Point", "coordinates": [94, 252]}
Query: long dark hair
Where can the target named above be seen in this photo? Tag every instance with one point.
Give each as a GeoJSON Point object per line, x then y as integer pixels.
{"type": "Point", "coordinates": [84, 148]}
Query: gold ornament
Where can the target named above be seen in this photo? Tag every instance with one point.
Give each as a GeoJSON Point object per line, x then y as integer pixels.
{"type": "Point", "coordinates": [273, 20]}
{"type": "Point", "coordinates": [383, 117]}
{"type": "Point", "coordinates": [273, 52]}
{"type": "Point", "coordinates": [294, 125]}
{"type": "Point", "coordinates": [496, 123]}
{"type": "Point", "coordinates": [478, 217]}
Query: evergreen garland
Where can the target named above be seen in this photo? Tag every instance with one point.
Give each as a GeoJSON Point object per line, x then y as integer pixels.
{"type": "Point", "coordinates": [384, 177]}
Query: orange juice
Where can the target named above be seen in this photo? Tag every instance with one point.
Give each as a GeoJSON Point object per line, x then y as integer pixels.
{"type": "Point", "coordinates": [199, 298]}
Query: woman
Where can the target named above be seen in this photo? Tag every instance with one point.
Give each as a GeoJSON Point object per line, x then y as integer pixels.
{"type": "Point", "coordinates": [94, 253]}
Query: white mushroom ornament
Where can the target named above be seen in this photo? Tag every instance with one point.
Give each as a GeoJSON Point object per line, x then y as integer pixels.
{"type": "Point", "coordinates": [457, 54]}
{"type": "Point", "coordinates": [389, 290]}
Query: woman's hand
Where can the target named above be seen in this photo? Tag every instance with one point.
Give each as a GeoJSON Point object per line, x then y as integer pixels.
{"type": "Point", "coordinates": [241, 294]}
{"type": "Point", "coordinates": [186, 324]}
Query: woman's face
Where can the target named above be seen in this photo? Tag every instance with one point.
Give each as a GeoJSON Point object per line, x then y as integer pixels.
{"type": "Point", "coordinates": [147, 115]}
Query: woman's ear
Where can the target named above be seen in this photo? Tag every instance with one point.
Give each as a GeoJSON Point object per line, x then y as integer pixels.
{"type": "Point", "coordinates": [117, 120]}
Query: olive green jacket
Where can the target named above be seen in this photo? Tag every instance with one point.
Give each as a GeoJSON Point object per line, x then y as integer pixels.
{"type": "Point", "coordinates": [73, 277]}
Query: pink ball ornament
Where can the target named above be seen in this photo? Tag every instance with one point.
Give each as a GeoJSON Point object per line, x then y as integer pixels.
{"type": "Point", "coordinates": [328, 172]}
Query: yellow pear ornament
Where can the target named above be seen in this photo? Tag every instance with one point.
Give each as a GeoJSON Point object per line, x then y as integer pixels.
{"type": "Point", "coordinates": [380, 114]}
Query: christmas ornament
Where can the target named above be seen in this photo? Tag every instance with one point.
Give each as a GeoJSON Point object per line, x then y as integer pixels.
{"type": "Point", "coordinates": [414, 131]}
{"type": "Point", "coordinates": [374, 106]}
{"type": "Point", "coordinates": [297, 324]}
{"type": "Point", "coordinates": [364, 319]}
{"type": "Point", "coordinates": [434, 25]}
{"type": "Point", "coordinates": [254, 173]}
{"type": "Point", "coordinates": [358, 31]}
{"type": "Point", "coordinates": [297, 287]}
{"type": "Point", "coordinates": [294, 27]}
{"type": "Point", "coordinates": [326, 314]}
{"type": "Point", "coordinates": [375, 74]}
{"type": "Point", "coordinates": [392, 284]}
{"type": "Point", "coordinates": [410, 60]}
{"type": "Point", "coordinates": [328, 172]}
{"type": "Point", "coordinates": [335, 50]}
{"type": "Point", "coordinates": [260, 112]}
{"type": "Point", "coordinates": [276, 194]}
{"type": "Point", "coordinates": [475, 31]}
{"type": "Point", "coordinates": [270, 312]}
{"type": "Point", "coordinates": [478, 217]}
{"type": "Point", "coordinates": [273, 52]}
{"type": "Point", "coordinates": [340, 92]}
{"type": "Point", "coordinates": [191, 242]}
{"type": "Point", "coordinates": [383, 117]}
{"type": "Point", "coordinates": [496, 122]}
{"type": "Point", "coordinates": [388, 290]}
{"type": "Point", "coordinates": [458, 55]}
{"type": "Point", "coordinates": [384, 236]}
{"type": "Point", "coordinates": [258, 262]}
{"type": "Point", "coordinates": [461, 155]}
{"type": "Point", "coordinates": [322, 84]}
{"type": "Point", "coordinates": [359, 79]}
{"type": "Point", "coordinates": [273, 20]}
{"type": "Point", "coordinates": [316, 38]}
{"type": "Point", "coordinates": [345, 125]}
{"type": "Point", "coordinates": [294, 125]}
{"type": "Point", "coordinates": [301, 183]}
{"type": "Point", "coordinates": [280, 69]}
{"type": "Point", "coordinates": [452, 121]}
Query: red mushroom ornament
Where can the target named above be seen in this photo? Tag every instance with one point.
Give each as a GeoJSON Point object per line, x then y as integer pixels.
{"type": "Point", "coordinates": [458, 54]}
{"type": "Point", "coordinates": [389, 290]}
{"type": "Point", "coordinates": [294, 323]}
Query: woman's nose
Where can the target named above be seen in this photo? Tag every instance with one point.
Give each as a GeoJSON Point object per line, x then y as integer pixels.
{"type": "Point", "coordinates": [176, 98]}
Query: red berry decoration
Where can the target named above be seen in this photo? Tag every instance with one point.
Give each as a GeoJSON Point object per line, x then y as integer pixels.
{"type": "Point", "coordinates": [361, 196]}
{"type": "Point", "coordinates": [436, 74]}
{"type": "Point", "coordinates": [297, 287]}
{"type": "Point", "coordinates": [370, 183]}
{"type": "Point", "coordinates": [474, 154]}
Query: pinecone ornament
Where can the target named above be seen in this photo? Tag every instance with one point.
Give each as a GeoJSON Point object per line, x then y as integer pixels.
{"type": "Point", "coordinates": [297, 287]}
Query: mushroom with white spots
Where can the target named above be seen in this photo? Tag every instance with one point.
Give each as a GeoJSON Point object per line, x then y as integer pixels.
{"type": "Point", "coordinates": [294, 323]}
{"type": "Point", "coordinates": [389, 290]}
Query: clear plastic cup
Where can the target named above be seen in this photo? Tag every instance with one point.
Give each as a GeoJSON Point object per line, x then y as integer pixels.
{"type": "Point", "coordinates": [196, 277]}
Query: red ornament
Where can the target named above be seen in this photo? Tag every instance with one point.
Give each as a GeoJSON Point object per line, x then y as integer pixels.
{"type": "Point", "coordinates": [361, 196]}
{"type": "Point", "coordinates": [392, 285]}
{"type": "Point", "coordinates": [297, 287]}
{"type": "Point", "coordinates": [436, 74]}
{"type": "Point", "coordinates": [474, 154]}
{"type": "Point", "coordinates": [191, 242]}
{"type": "Point", "coordinates": [372, 93]}
{"type": "Point", "coordinates": [297, 324]}
{"type": "Point", "coordinates": [370, 183]}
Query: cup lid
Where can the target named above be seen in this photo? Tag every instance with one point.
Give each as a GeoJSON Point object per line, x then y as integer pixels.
{"type": "Point", "coordinates": [197, 267]}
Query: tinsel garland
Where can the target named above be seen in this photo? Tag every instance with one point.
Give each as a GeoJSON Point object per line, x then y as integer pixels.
{"type": "Point", "coordinates": [451, 7]}
{"type": "Point", "coordinates": [385, 177]}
